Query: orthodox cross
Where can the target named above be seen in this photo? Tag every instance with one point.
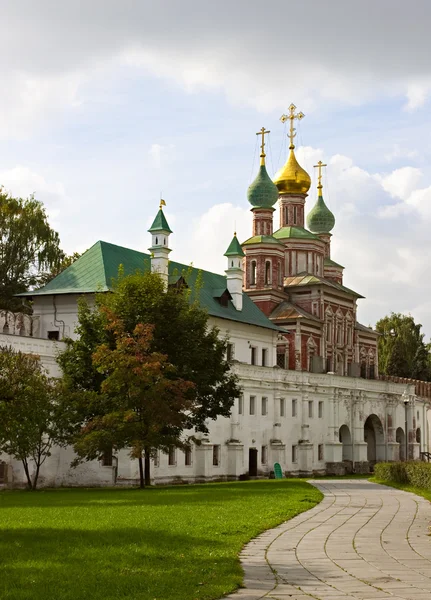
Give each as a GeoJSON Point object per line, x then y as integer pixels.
{"type": "Point", "coordinates": [262, 132]}
{"type": "Point", "coordinates": [319, 166]}
{"type": "Point", "coordinates": [292, 116]}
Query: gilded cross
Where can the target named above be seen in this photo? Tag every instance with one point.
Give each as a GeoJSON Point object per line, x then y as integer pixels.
{"type": "Point", "coordinates": [262, 132]}
{"type": "Point", "coordinates": [319, 166]}
{"type": "Point", "coordinates": [292, 116]}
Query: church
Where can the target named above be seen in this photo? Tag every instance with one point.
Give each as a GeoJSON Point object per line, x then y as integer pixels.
{"type": "Point", "coordinates": [312, 399]}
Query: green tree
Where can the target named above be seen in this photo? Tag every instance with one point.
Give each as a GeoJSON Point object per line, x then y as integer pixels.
{"type": "Point", "coordinates": [402, 351]}
{"type": "Point", "coordinates": [145, 406]}
{"type": "Point", "coordinates": [33, 416]}
{"type": "Point", "coordinates": [180, 332]}
{"type": "Point", "coordinates": [29, 248]}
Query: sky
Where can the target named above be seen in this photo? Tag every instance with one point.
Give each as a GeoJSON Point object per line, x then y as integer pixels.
{"type": "Point", "coordinates": [107, 105]}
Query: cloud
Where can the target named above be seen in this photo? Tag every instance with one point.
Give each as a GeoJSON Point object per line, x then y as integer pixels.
{"type": "Point", "coordinates": [401, 182]}
{"type": "Point", "coordinates": [252, 51]}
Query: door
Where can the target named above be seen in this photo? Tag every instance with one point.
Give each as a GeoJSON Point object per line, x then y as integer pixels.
{"type": "Point", "coordinates": [252, 462]}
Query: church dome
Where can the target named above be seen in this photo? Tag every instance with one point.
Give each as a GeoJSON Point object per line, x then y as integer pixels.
{"type": "Point", "coordinates": [320, 219]}
{"type": "Point", "coordinates": [262, 193]}
{"type": "Point", "coordinates": [292, 178]}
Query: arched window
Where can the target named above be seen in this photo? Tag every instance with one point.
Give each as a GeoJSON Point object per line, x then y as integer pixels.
{"type": "Point", "coordinates": [157, 241]}
{"type": "Point", "coordinates": [295, 215]}
{"type": "Point", "coordinates": [267, 272]}
{"type": "Point", "coordinates": [253, 272]}
{"type": "Point", "coordinates": [286, 215]}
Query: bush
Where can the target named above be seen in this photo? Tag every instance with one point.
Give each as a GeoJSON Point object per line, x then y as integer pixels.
{"type": "Point", "coordinates": [415, 473]}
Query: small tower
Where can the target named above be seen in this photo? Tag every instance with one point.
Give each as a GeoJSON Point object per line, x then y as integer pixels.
{"type": "Point", "coordinates": [160, 232]}
{"type": "Point", "coordinates": [320, 219]}
{"type": "Point", "coordinates": [234, 272]}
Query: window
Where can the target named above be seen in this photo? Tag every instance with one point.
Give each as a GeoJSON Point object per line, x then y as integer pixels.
{"type": "Point", "coordinates": [294, 407]}
{"type": "Point", "coordinates": [264, 357]}
{"type": "Point", "coordinates": [281, 360]}
{"type": "Point", "coordinates": [188, 456]}
{"type": "Point", "coordinates": [417, 415]}
{"type": "Point", "coordinates": [253, 353]}
{"type": "Point", "coordinates": [310, 409]}
{"type": "Point", "coordinates": [107, 458]}
{"type": "Point", "coordinates": [253, 272]}
{"type": "Point", "coordinates": [267, 273]}
{"type": "Point", "coordinates": [241, 405]}
{"type": "Point", "coordinates": [53, 335]}
{"type": "Point", "coordinates": [371, 372]}
{"type": "Point", "coordinates": [320, 452]}
{"type": "Point", "coordinates": [295, 214]}
{"type": "Point", "coordinates": [294, 454]}
{"type": "Point", "coordinates": [172, 456]}
{"type": "Point", "coordinates": [157, 459]}
{"type": "Point", "coordinates": [216, 455]}
{"type": "Point", "coordinates": [282, 407]}
{"type": "Point", "coordinates": [320, 409]}
{"type": "Point", "coordinates": [264, 455]}
{"type": "Point", "coordinates": [252, 405]}
{"type": "Point", "coordinates": [286, 215]}
{"type": "Point", "coordinates": [264, 406]}
{"type": "Point", "coordinates": [328, 364]}
{"type": "Point", "coordinates": [280, 275]}
{"type": "Point", "coordinates": [229, 352]}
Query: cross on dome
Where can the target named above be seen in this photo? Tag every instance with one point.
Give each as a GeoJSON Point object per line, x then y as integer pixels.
{"type": "Point", "coordinates": [292, 116]}
{"type": "Point", "coordinates": [262, 132]}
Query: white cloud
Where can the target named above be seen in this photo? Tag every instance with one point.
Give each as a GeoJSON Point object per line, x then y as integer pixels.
{"type": "Point", "coordinates": [401, 182]}
{"type": "Point", "coordinates": [246, 49]}
{"type": "Point", "coordinates": [398, 152]}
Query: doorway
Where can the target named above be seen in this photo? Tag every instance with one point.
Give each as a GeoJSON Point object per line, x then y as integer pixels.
{"type": "Point", "coordinates": [252, 462]}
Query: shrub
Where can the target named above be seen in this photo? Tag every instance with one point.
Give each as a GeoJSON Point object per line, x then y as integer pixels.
{"type": "Point", "coordinates": [415, 473]}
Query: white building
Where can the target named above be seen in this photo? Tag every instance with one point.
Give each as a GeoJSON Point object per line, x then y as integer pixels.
{"type": "Point", "coordinates": [311, 400]}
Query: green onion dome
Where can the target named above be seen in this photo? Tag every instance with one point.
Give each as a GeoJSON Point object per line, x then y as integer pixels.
{"type": "Point", "coordinates": [320, 219]}
{"type": "Point", "coordinates": [263, 192]}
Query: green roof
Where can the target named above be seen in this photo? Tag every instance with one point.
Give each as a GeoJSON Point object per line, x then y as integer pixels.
{"type": "Point", "coordinates": [262, 239]}
{"type": "Point", "coordinates": [304, 279]}
{"type": "Point", "coordinates": [234, 248]}
{"type": "Point", "coordinates": [262, 193]}
{"type": "Point", "coordinates": [96, 269]}
{"type": "Point", "coordinates": [160, 223]}
{"type": "Point", "coordinates": [320, 219]}
{"type": "Point", "coordinates": [294, 232]}
{"type": "Point", "coordinates": [331, 263]}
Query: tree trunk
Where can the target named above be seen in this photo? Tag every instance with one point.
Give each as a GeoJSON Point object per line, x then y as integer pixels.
{"type": "Point", "coordinates": [147, 467]}
{"type": "Point", "coordinates": [27, 474]}
{"type": "Point", "coordinates": [36, 475]}
{"type": "Point", "coordinates": [141, 473]}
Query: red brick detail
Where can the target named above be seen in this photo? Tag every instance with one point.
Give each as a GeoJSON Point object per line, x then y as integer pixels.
{"type": "Point", "coordinates": [266, 306]}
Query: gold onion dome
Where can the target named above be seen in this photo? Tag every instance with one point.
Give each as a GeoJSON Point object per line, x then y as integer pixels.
{"type": "Point", "coordinates": [292, 178]}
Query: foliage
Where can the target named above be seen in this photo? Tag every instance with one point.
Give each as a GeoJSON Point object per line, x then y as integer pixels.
{"type": "Point", "coordinates": [31, 413]}
{"type": "Point", "coordinates": [170, 543]}
{"type": "Point", "coordinates": [144, 405]}
{"type": "Point", "coordinates": [29, 248]}
{"type": "Point", "coordinates": [414, 473]}
{"type": "Point", "coordinates": [180, 333]}
{"type": "Point", "coordinates": [402, 351]}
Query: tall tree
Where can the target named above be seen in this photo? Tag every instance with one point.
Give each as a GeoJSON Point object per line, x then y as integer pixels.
{"type": "Point", "coordinates": [180, 332]}
{"type": "Point", "coordinates": [145, 406]}
{"type": "Point", "coordinates": [29, 248]}
{"type": "Point", "coordinates": [402, 351]}
{"type": "Point", "coordinates": [33, 416]}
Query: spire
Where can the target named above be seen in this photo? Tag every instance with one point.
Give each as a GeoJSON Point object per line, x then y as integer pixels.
{"type": "Point", "coordinates": [292, 178]}
{"type": "Point", "coordinates": [160, 223]}
{"type": "Point", "coordinates": [320, 219]}
{"type": "Point", "coordinates": [262, 193]}
{"type": "Point", "coordinates": [234, 248]}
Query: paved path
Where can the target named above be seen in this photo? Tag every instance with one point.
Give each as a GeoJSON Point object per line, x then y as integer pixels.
{"type": "Point", "coordinates": [362, 542]}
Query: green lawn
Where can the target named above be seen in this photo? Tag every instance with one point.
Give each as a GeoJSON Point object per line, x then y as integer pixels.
{"type": "Point", "coordinates": [405, 487]}
{"type": "Point", "coordinates": [176, 543]}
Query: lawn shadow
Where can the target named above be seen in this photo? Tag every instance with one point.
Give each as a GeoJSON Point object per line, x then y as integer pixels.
{"type": "Point", "coordinates": [127, 563]}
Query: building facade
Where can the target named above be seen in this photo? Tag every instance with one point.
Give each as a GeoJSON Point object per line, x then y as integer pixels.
{"type": "Point", "coordinates": [311, 396]}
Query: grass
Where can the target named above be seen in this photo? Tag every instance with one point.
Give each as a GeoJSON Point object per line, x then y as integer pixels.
{"type": "Point", "coordinates": [405, 487]}
{"type": "Point", "coordinates": [176, 543]}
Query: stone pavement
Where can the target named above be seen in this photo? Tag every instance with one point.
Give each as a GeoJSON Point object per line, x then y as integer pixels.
{"type": "Point", "coordinates": [362, 542]}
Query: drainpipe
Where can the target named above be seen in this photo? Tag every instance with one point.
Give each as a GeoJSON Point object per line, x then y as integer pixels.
{"type": "Point", "coordinates": [58, 322]}
{"type": "Point", "coordinates": [406, 403]}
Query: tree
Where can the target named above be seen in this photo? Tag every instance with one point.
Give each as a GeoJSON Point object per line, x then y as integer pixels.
{"type": "Point", "coordinates": [32, 415]}
{"type": "Point", "coordinates": [145, 405]}
{"type": "Point", "coordinates": [180, 333]}
{"type": "Point", "coordinates": [29, 248]}
{"type": "Point", "coordinates": [402, 351]}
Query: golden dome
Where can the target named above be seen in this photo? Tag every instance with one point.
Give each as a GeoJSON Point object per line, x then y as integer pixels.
{"type": "Point", "coordinates": [292, 179]}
